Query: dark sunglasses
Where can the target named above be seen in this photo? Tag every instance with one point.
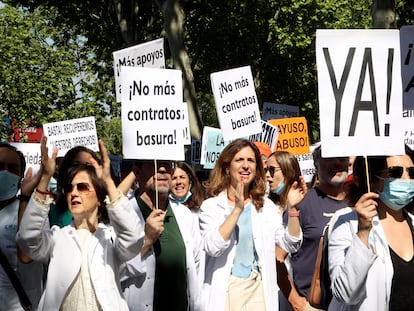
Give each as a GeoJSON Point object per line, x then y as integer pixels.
{"type": "Point", "coordinates": [83, 188]}
{"type": "Point", "coordinates": [397, 171]}
{"type": "Point", "coordinates": [272, 170]}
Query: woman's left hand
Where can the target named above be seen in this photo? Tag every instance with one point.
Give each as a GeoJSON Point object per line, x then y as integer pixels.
{"type": "Point", "coordinates": [103, 171]}
{"type": "Point", "coordinates": [296, 193]}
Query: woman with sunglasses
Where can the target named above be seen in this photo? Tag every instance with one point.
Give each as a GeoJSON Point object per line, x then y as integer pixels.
{"type": "Point", "coordinates": [371, 249]}
{"type": "Point", "coordinates": [287, 188]}
{"type": "Point", "coordinates": [241, 228]}
{"type": "Point", "coordinates": [85, 255]}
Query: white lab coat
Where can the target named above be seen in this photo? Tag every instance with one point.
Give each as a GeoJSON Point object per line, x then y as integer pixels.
{"type": "Point", "coordinates": [109, 246]}
{"type": "Point", "coordinates": [360, 278]}
{"type": "Point", "coordinates": [268, 230]}
{"type": "Point", "coordinates": [138, 274]}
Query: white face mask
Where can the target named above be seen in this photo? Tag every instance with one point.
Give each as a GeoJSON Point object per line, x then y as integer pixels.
{"type": "Point", "coordinates": [9, 185]}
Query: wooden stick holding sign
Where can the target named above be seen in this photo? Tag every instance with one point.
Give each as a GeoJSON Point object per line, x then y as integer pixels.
{"type": "Point", "coordinates": [156, 183]}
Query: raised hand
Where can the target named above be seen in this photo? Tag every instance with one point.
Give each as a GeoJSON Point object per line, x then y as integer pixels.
{"type": "Point", "coordinates": [103, 171]}
{"type": "Point", "coordinates": [48, 165]}
{"type": "Point", "coordinates": [30, 182]}
{"type": "Point", "coordinates": [297, 192]}
{"type": "Point", "coordinates": [154, 227]}
{"type": "Point", "coordinates": [366, 208]}
{"type": "Point", "coordinates": [239, 195]}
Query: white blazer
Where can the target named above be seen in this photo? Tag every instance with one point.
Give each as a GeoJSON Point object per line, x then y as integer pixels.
{"type": "Point", "coordinates": [138, 274]}
{"type": "Point", "coordinates": [109, 246]}
{"type": "Point", "coordinates": [268, 230]}
{"type": "Point", "coordinates": [360, 278]}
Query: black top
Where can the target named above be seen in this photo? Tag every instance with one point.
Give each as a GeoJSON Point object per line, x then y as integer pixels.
{"type": "Point", "coordinates": [402, 297]}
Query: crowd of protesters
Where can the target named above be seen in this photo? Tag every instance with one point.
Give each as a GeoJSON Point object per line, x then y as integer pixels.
{"type": "Point", "coordinates": [76, 237]}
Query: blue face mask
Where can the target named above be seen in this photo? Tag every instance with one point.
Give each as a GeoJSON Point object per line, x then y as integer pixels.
{"type": "Point", "coordinates": [279, 188]}
{"type": "Point", "coordinates": [53, 185]}
{"type": "Point", "coordinates": [182, 200]}
{"type": "Point", "coordinates": [9, 185]}
{"type": "Point", "coordinates": [397, 192]}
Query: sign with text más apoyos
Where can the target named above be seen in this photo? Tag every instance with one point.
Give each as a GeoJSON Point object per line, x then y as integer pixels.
{"type": "Point", "coordinates": [360, 92]}
{"type": "Point", "coordinates": [149, 54]}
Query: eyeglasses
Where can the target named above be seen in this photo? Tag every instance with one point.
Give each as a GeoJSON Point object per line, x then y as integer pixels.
{"type": "Point", "coordinates": [82, 187]}
{"type": "Point", "coordinates": [397, 171]}
{"type": "Point", "coordinates": [272, 170]}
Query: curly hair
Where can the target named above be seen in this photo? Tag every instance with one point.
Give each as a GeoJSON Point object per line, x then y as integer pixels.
{"type": "Point", "coordinates": [219, 181]}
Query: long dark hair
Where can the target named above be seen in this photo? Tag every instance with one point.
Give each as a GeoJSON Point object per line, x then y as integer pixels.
{"type": "Point", "coordinates": [197, 191]}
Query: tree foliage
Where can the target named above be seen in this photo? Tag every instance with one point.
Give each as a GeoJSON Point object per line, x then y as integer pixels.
{"type": "Point", "coordinates": [276, 38]}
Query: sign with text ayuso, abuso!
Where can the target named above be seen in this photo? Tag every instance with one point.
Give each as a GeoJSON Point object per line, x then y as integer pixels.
{"type": "Point", "coordinates": [65, 135]}
{"type": "Point", "coordinates": [152, 113]}
{"type": "Point", "coordinates": [149, 54]}
{"type": "Point", "coordinates": [360, 92]}
{"type": "Point", "coordinates": [236, 102]}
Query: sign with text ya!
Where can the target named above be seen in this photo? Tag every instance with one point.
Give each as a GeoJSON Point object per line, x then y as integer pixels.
{"type": "Point", "coordinates": [148, 54]}
{"type": "Point", "coordinates": [293, 135]}
{"type": "Point", "coordinates": [360, 92]}
{"type": "Point", "coordinates": [407, 66]}
{"type": "Point", "coordinates": [65, 135]}
{"type": "Point", "coordinates": [152, 114]}
{"type": "Point", "coordinates": [236, 102]}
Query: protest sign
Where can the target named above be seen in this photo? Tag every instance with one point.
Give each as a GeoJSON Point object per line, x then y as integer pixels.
{"type": "Point", "coordinates": [278, 111]}
{"type": "Point", "coordinates": [32, 155]}
{"type": "Point", "coordinates": [236, 102]}
{"type": "Point", "coordinates": [65, 135]}
{"type": "Point", "coordinates": [186, 124]}
{"type": "Point", "coordinates": [212, 144]}
{"type": "Point", "coordinates": [268, 135]}
{"type": "Point", "coordinates": [407, 65]}
{"type": "Point", "coordinates": [293, 135]}
{"type": "Point", "coordinates": [408, 118]}
{"type": "Point", "coordinates": [150, 54]}
{"type": "Point", "coordinates": [152, 114]}
{"type": "Point", "coordinates": [306, 164]}
{"type": "Point", "coordinates": [196, 151]}
{"type": "Point", "coordinates": [360, 92]}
